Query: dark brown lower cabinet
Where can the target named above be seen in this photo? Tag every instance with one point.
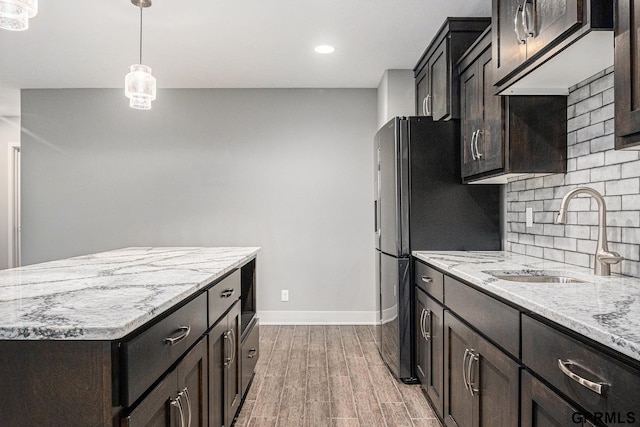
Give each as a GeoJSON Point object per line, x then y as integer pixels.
{"type": "Point", "coordinates": [250, 352]}
{"type": "Point", "coordinates": [430, 348]}
{"type": "Point", "coordinates": [224, 368]}
{"type": "Point", "coordinates": [541, 407]}
{"type": "Point", "coordinates": [481, 383]}
{"type": "Point", "coordinates": [180, 399]}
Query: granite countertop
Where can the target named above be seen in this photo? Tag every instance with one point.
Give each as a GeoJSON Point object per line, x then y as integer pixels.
{"type": "Point", "coordinates": [105, 296]}
{"type": "Point", "coordinates": [603, 308]}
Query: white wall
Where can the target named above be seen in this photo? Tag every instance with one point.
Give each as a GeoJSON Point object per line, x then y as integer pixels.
{"type": "Point", "coordinates": [396, 95]}
{"type": "Point", "coordinates": [289, 170]}
{"type": "Point", "coordinates": [9, 133]}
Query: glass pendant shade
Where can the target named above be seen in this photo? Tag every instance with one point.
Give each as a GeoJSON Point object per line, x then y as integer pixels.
{"type": "Point", "coordinates": [15, 14]}
{"type": "Point", "coordinates": [140, 87]}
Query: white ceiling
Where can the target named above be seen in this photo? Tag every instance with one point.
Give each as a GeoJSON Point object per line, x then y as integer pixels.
{"type": "Point", "coordinates": [220, 44]}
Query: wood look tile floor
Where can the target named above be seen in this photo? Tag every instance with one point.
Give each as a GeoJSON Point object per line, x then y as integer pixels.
{"type": "Point", "coordinates": [318, 376]}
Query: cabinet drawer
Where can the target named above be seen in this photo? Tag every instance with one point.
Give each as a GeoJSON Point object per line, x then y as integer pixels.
{"type": "Point", "coordinates": [496, 320]}
{"type": "Point", "coordinates": [250, 353]}
{"type": "Point", "coordinates": [222, 296]}
{"type": "Point", "coordinates": [148, 355]}
{"type": "Point", "coordinates": [543, 347]}
{"type": "Point", "coordinates": [429, 280]}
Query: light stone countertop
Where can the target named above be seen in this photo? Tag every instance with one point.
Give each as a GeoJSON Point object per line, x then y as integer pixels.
{"type": "Point", "coordinates": [107, 295]}
{"type": "Point", "coordinates": [604, 308]}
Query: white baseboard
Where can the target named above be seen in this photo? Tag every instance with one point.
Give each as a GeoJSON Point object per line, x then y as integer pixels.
{"type": "Point", "coordinates": [318, 317]}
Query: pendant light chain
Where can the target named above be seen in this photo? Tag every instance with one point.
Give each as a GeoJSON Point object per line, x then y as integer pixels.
{"type": "Point", "coordinates": [140, 33]}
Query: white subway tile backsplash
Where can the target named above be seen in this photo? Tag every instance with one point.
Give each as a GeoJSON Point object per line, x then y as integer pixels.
{"type": "Point", "coordinates": [576, 258]}
{"type": "Point", "coordinates": [603, 143]}
{"type": "Point", "coordinates": [578, 122]}
{"type": "Point", "coordinates": [565, 243]}
{"type": "Point", "coordinates": [631, 202]}
{"type": "Point", "coordinates": [589, 105]}
{"type": "Point", "coordinates": [602, 114]}
{"type": "Point", "coordinates": [591, 161]}
{"type": "Point", "coordinates": [606, 173]}
{"type": "Point", "coordinates": [623, 186]}
{"type": "Point", "coordinates": [630, 169]}
{"type": "Point", "coordinates": [593, 131]}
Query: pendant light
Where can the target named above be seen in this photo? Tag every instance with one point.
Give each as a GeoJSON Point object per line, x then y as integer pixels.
{"type": "Point", "coordinates": [140, 85]}
{"type": "Point", "coordinates": [15, 14]}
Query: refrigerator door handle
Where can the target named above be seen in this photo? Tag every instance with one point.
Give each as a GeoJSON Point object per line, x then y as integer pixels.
{"type": "Point", "coordinates": [375, 216]}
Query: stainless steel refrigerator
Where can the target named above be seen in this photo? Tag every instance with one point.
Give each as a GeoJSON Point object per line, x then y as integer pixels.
{"type": "Point", "coordinates": [421, 204]}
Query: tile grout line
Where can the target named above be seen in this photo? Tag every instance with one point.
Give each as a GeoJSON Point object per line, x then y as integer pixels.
{"type": "Point", "coordinates": [384, 419]}
{"type": "Point", "coordinates": [344, 352]}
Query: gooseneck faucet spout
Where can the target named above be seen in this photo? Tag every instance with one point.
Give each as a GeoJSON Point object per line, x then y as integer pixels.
{"type": "Point", "coordinates": [604, 257]}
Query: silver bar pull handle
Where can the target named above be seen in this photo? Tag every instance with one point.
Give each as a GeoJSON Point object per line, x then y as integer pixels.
{"type": "Point", "coordinates": [186, 395]}
{"type": "Point", "coordinates": [478, 155]}
{"type": "Point", "coordinates": [227, 337]}
{"type": "Point", "coordinates": [596, 387]}
{"type": "Point", "coordinates": [427, 327]}
{"type": "Point", "coordinates": [427, 104]}
{"type": "Point", "coordinates": [233, 346]}
{"type": "Point", "coordinates": [473, 138]}
{"type": "Point", "coordinates": [176, 402]}
{"type": "Point", "coordinates": [252, 353]}
{"type": "Point", "coordinates": [464, 368]}
{"type": "Point", "coordinates": [184, 332]}
{"type": "Point", "coordinates": [528, 31]}
{"type": "Point", "coordinates": [424, 106]}
{"type": "Point", "coordinates": [515, 26]}
{"type": "Point", "coordinates": [422, 313]}
{"type": "Point", "coordinates": [473, 359]}
{"type": "Point", "coordinates": [426, 279]}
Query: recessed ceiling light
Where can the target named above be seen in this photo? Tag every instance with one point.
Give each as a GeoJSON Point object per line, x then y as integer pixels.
{"type": "Point", "coordinates": [325, 48]}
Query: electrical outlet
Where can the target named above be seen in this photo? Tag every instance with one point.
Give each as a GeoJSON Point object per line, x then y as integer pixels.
{"type": "Point", "coordinates": [285, 295]}
{"type": "Point", "coordinates": [529, 217]}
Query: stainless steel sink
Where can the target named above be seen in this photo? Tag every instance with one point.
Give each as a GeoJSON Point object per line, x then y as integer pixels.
{"type": "Point", "coordinates": [534, 277]}
{"type": "Point", "coordinates": [540, 279]}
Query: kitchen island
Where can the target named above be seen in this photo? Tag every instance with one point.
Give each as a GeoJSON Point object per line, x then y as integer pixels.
{"type": "Point", "coordinates": [87, 340]}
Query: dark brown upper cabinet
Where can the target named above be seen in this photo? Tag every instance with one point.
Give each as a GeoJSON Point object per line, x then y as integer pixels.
{"type": "Point", "coordinates": [543, 47]}
{"type": "Point", "coordinates": [503, 135]}
{"type": "Point", "coordinates": [435, 73]}
{"type": "Point", "coordinates": [627, 67]}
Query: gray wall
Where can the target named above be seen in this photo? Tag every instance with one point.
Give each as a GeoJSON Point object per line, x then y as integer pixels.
{"type": "Point", "coordinates": [593, 162]}
{"type": "Point", "coordinates": [396, 95]}
{"type": "Point", "coordinates": [9, 133]}
{"type": "Point", "coordinates": [289, 170]}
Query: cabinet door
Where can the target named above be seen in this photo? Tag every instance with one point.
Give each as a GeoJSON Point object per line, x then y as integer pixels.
{"type": "Point", "coordinates": [422, 90]}
{"type": "Point", "coordinates": [192, 384]}
{"type": "Point", "coordinates": [434, 385]}
{"type": "Point", "coordinates": [421, 342]}
{"type": "Point", "coordinates": [233, 393]}
{"type": "Point", "coordinates": [217, 369]}
{"type": "Point", "coordinates": [469, 119]}
{"type": "Point", "coordinates": [439, 82]}
{"type": "Point", "coordinates": [626, 72]}
{"type": "Point", "coordinates": [509, 45]}
{"type": "Point", "coordinates": [458, 402]}
{"type": "Point", "coordinates": [545, 21]}
{"type": "Point", "coordinates": [158, 409]}
{"type": "Point", "coordinates": [489, 142]}
{"type": "Point", "coordinates": [541, 407]}
{"type": "Point", "coordinates": [497, 380]}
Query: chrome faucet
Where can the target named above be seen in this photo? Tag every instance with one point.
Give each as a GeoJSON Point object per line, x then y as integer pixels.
{"type": "Point", "coordinates": [604, 257]}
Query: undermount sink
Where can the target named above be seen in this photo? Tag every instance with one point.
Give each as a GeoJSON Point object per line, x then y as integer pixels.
{"type": "Point", "coordinates": [532, 276]}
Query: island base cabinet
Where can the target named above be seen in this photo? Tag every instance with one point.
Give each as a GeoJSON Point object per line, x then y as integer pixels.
{"type": "Point", "coordinates": [180, 399]}
{"type": "Point", "coordinates": [224, 369]}
{"type": "Point", "coordinates": [430, 348]}
{"type": "Point", "coordinates": [250, 351]}
{"type": "Point", "coordinates": [482, 383]}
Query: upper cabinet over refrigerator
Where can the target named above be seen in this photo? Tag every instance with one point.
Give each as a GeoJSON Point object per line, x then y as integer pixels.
{"type": "Point", "coordinates": [435, 73]}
